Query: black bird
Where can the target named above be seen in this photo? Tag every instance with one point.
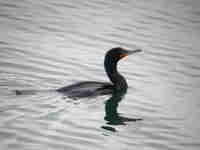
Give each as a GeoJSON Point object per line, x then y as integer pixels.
{"type": "Point", "coordinates": [92, 88]}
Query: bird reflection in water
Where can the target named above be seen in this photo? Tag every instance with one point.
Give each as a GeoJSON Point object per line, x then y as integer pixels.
{"type": "Point", "coordinates": [117, 87]}
{"type": "Point", "coordinates": [111, 114]}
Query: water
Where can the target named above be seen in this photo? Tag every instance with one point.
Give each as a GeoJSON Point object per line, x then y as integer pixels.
{"type": "Point", "coordinates": [49, 44]}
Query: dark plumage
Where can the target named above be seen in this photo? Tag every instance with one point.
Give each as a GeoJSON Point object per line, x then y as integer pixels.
{"type": "Point", "coordinates": [91, 88]}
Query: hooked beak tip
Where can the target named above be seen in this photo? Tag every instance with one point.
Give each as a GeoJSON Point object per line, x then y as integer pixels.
{"type": "Point", "coordinates": [130, 53]}
{"type": "Point", "coordinates": [134, 51]}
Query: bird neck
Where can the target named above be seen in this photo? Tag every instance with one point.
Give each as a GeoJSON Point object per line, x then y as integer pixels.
{"type": "Point", "coordinates": [115, 77]}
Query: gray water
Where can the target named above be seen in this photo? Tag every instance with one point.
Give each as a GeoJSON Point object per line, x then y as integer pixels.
{"type": "Point", "coordinates": [46, 44]}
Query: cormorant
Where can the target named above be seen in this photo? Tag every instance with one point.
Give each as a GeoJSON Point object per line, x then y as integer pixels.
{"type": "Point", "coordinates": [92, 88]}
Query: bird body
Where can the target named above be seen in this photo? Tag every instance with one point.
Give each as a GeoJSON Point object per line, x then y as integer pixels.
{"type": "Point", "coordinates": [93, 88]}
{"type": "Point", "coordinates": [86, 89]}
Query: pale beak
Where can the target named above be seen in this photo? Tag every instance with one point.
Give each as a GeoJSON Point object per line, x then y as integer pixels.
{"type": "Point", "coordinates": [134, 51]}
{"type": "Point", "coordinates": [130, 53]}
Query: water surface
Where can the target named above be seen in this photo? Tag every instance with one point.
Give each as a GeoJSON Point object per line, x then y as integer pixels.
{"type": "Point", "coordinates": [49, 44]}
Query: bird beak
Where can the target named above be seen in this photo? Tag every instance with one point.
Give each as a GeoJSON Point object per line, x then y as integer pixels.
{"type": "Point", "coordinates": [130, 53]}
{"type": "Point", "coordinates": [134, 51]}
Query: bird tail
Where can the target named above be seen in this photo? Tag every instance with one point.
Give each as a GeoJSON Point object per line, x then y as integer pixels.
{"type": "Point", "coordinates": [32, 92]}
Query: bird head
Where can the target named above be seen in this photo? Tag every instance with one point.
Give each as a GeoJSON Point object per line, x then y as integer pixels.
{"type": "Point", "coordinates": [115, 54]}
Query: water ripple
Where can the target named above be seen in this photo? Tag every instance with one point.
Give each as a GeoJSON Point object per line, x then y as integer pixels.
{"type": "Point", "coordinates": [46, 45]}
